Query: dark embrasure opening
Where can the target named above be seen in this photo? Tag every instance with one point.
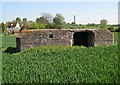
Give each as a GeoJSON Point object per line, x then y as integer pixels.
{"type": "Point", "coordinates": [83, 39]}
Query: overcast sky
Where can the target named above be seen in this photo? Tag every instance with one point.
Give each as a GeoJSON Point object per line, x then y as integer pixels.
{"type": "Point", "coordinates": [85, 12]}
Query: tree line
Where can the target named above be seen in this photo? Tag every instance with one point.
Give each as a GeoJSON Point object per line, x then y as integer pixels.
{"type": "Point", "coordinates": [47, 21]}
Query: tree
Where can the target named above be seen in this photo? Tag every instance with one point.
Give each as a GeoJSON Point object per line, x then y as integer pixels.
{"type": "Point", "coordinates": [37, 20]}
{"type": "Point", "coordinates": [29, 22]}
{"type": "Point", "coordinates": [42, 20]}
{"type": "Point", "coordinates": [19, 20]}
{"type": "Point", "coordinates": [73, 23]}
{"type": "Point", "coordinates": [103, 23]}
{"type": "Point", "coordinates": [0, 27]}
{"type": "Point", "coordinates": [3, 27]}
{"type": "Point", "coordinates": [49, 26]}
{"type": "Point", "coordinates": [58, 21]}
{"type": "Point", "coordinates": [47, 16]}
{"type": "Point", "coordinates": [25, 21]}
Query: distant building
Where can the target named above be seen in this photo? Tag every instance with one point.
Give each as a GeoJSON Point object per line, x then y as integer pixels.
{"type": "Point", "coordinates": [12, 27]}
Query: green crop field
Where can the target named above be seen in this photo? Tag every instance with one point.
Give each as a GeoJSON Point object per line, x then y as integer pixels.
{"type": "Point", "coordinates": [50, 64]}
{"type": "Point", "coordinates": [116, 34]}
{"type": "Point", "coordinates": [8, 41]}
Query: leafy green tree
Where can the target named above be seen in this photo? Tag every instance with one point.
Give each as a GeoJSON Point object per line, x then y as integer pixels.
{"type": "Point", "coordinates": [37, 20]}
{"type": "Point", "coordinates": [103, 23]}
{"type": "Point", "coordinates": [49, 26]}
{"type": "Point", "coordinates": [19, 20]}
{"type": "Point", "coordinates": [3, 27]}
{"type": "Point", "coordinates": [73, 23]}
{"type": "Point", "coordinates": [0, 27]}
{"type": "Point", "coordinates": [29, 23]}
{"type": "Point", "coordinates": [42, 20]}
{"type": "Point", "coordinates": [25, 21]}
{"type": "Point", "coordinates": [48, 17]}
{"type": "Point", "coordinates": [58, 21]}
{"type": "Point", "coordinates": [7, 23]}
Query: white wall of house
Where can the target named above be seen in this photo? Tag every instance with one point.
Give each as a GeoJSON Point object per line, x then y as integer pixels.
{"type": "Point", "coordinates": [17, 27]}
{"type": "Point", "coordinates": [9, 30]}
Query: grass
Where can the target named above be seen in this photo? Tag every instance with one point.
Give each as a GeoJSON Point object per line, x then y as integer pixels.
{"type": "Point", "coordinates": [8, 41]}
{"type": "Point", "coordinates": [116, 34]}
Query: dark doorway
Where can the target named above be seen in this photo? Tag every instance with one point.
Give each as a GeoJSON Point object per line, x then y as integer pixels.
{"type": "Point", "coordinates": [85, 38]}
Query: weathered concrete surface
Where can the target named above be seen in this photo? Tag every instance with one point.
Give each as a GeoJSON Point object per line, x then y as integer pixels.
{"type": "Point", "coordinates": [30, 38]}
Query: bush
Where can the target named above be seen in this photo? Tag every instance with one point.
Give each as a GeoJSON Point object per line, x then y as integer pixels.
{"type": "Point", "coordinates": [49, 26]}
{"type": "Point", "coordinates": [37, 26]}
{"type": "Point", "coordinates": [118, 30]}
{"type": "Point", "coordinates": [112, 28]}
{"type": "Point", "coordinates": [33, 26]}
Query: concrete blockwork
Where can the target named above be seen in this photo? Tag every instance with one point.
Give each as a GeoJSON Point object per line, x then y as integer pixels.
{"type": "Point", "coordinates": [66, 37]}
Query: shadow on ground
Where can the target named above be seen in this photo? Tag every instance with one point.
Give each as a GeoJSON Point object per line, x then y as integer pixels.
{"type": "Point", "coordinates": [10, 50]}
